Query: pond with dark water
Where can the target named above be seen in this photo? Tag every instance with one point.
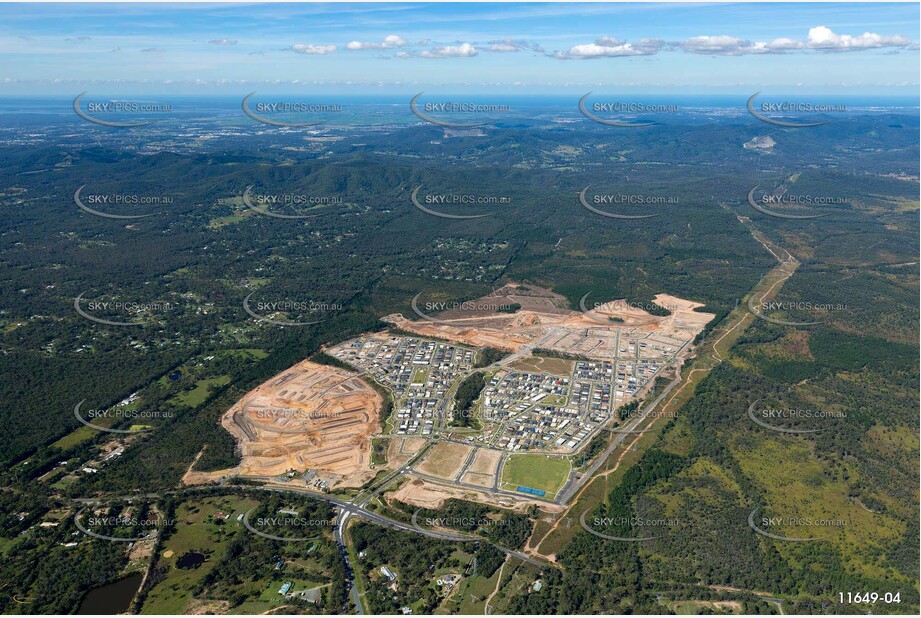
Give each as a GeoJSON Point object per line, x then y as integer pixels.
{"type": "Point", "coordinates": [113, 598]}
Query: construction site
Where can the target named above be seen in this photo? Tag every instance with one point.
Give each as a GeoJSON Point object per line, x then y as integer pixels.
{"type": "Point", "coordinates": [564, 374]}
{"type": "Point", "coordinates": [310, 417]}
{"type": "Point", "coordinates": [543, 320]}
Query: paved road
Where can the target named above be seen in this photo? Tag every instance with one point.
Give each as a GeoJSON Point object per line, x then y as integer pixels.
{"type": "Point", "coordinates": [391, 478]}
{"type": "Point", "coordinates": [462, 537]}
{"type": "Point", "coordinates": [466, 464]}
{"type": "Point", "coordinates": [497, 478]}
{"type": "Point", "coordinates": [344, 505]}
{"type": "Point", "coordinates": [573, 485]}
{"type": "Point", "coordinates": [575, 481]}
{"type": "Point", "coordinates": [349, 509]}
{"type": "Point", "coordinates": [339, 537]}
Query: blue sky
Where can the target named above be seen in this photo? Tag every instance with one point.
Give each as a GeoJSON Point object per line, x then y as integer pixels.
{"type": "Point", "coordinates": [822, 48]}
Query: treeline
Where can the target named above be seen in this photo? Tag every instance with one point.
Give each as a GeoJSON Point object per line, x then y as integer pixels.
{"type": "Point", "coordinates": [548, 353]}
{"type": "Point", "coordinates": [467, 393]}
{"type": "Point", "coordinates": [501, 526]}
{"type": "Point", "coordinates": [627, 410]}
{"type": "Point", "coordinates": [487, 356]}
{"type": "Point", "coordinates": [594, 447]}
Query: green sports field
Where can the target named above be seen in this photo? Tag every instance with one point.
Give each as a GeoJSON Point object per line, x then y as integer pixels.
{"type": "Point", "coordinates": [537, 472]}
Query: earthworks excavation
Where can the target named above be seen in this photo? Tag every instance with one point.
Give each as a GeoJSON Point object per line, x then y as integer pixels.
{"type": "Point", "coordinates": [309, 417]}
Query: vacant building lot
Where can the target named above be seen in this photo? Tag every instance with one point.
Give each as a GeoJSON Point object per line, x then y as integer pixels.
{"type": "Point", "coordinates": [540, 364]}
{"type": "Point", "coordinates": [402, 449]}
{"type": "Point", "coordinates": [482, 470]}
{"type": "Point", "coordinates": [445, 460]}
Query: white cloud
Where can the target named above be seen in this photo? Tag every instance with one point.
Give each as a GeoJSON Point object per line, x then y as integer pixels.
{"type": "Point", "coordinates": [464, 50]}
{"type": "Point", "coordinates": [223, 42]}
{"type": "Point", "coordinates": [153, 50]}
{"type": "Point", "coordinates": [311, 49]}
{"type": "Point", "coordinates": [593, 50]}
{"type": "Point", "coordinates": [390, 41]}
{"type": "Point", "coordinates": [722, 45]}
{"type": "Point", "coordinates": [785, 44]}
{"type": "Point", "coordinates": [393, 40]}
{"type": "Point", "coordinates": [611, 47]}
{"type": "Point", "coordinates": [823, 38]}
{"type": "Point", "coordinates": [819, 38]}
{"type": "Point", "coordinates": [609, 41]}
{"type": "Point", "coordinates": [649, 46]}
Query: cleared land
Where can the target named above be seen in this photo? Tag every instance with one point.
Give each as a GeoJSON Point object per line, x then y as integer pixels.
{"type": "Point", "coordinates": [482, 470]}
{"type": "Point", "coordinates": [445, 460]}
{"type": "Point", "coordinates": [486, 461]}
{"type": "Point", "coordinates": [402, 449]}
{"type": "Point", "coordinates": [530, 298]}
{"type": "Point", "coordinates": [543, 321]}
{"type": "Point", "coordinates": [540, 364]}
{"type": "Point", "coordinates": [690, 608]}
{"type": "Point", "coordinates": [430, 495]}
{"type": "Point", "coordinates": [309, 417]}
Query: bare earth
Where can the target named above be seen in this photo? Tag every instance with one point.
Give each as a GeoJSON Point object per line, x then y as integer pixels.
{"type": "Point", "coordinates": [486, 462]}
{"type": "Point", "coordinates": [402, 449]}
{"type": "Point", "coordinates": [542, 320]}
{"type": "Point", "coordinates": [309, 417]}
{"type": "Point", "coordinates": [445, 460]}
{"type": "Point", "coordinates": [421, 493]}
{"type": "Point", "coordinates": [482, 470]}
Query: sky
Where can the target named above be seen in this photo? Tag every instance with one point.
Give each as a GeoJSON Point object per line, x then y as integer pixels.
{"type": "Point", "coordinates": [526, 48]}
